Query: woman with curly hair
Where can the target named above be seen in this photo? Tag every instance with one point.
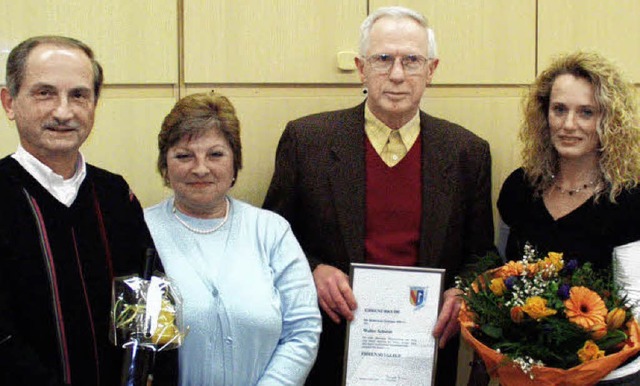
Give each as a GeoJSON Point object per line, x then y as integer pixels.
{"type": "Point", "coordinates": [577, 190]}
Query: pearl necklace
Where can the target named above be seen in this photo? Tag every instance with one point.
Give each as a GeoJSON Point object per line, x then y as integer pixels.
{"type": "Point", "coordinates": [202, 231]}
{"type": "Point", "coordinates": [571, 192]}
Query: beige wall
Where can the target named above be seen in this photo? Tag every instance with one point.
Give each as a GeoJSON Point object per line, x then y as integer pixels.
{"type": "Point", "coordinates": [277, 60]}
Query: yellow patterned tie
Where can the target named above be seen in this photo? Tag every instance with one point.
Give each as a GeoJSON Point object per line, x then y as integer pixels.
{"type": "Point", "coordinates": [394, 151]}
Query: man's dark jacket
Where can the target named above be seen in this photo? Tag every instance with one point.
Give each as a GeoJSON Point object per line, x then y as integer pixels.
{"type": "Point", "coordinates": [319, 187]}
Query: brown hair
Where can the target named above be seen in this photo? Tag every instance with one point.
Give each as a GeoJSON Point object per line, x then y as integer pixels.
{"type": "Point", "coordinates": [193, 115]}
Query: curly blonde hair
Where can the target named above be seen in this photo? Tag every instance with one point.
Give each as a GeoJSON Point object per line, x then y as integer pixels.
{"type": "Point", "coordinates": [618, 130]}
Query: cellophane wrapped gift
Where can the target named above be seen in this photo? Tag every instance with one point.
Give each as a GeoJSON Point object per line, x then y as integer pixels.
{"type": "Point", "coordinates": [146, 318]}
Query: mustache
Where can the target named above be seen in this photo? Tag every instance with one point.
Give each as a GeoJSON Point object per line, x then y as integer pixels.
{"type": "Point", "coordinates": [54, 125]}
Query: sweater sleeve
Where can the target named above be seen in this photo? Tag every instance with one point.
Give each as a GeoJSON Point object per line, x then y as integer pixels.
{"type": "Point", "coordinates": [301, 323]}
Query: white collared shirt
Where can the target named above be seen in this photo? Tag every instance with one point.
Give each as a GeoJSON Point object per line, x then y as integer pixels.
{"type": "Point", "coordinates": [63, 190]}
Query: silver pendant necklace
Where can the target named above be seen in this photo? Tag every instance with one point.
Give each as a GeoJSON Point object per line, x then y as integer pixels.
{"type": "Point", "coordinates": [202, 231]}
{"type": "Point", "coordinates": [571, 192]}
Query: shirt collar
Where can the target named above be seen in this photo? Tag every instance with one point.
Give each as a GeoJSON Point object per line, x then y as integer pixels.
{"type": "Point", "coordinates": [63, 190]}
{"type": "Point", "coordinates": [378, 132]}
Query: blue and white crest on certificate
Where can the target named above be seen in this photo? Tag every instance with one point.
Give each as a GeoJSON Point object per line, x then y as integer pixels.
{"type": "Point", "coordinates": [417, 296]}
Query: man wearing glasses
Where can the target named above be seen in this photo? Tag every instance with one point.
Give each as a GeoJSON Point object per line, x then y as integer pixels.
{"type": "Point", "coordinates": [384, 183]}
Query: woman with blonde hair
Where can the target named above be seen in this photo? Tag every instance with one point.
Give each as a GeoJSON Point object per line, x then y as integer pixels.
{"type": "Point", "coordinates": [577, 190]}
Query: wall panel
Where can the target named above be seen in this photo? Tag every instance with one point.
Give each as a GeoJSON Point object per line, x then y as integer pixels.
{"type": "Point", "coordinates": [8, 136]}
{"type": "Point", "coordinates": [135, 41]}
{"type": "Point", "coordinates": [269, 41]}
{"type": "Point", "coordinates": [610, 28]}
{"type": "Point", "coordinates": [124, 141]}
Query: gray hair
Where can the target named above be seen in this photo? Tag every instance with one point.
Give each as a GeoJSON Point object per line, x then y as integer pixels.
{"type": "Point", "coordinates": [396, 13]}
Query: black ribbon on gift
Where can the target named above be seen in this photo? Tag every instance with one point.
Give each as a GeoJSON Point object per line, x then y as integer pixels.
{"type": "Point", "coordinates": [139, 358]}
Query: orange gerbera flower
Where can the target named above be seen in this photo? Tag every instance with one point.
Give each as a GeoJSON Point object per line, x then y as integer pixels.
{"type": "Point", "coordinates": [585, 308]}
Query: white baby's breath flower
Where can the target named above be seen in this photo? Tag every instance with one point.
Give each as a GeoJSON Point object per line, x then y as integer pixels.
{"type": "Point", "coordinates": [526, 364]}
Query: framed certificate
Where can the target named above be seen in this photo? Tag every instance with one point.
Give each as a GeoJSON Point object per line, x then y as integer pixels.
{"type": "Point", "coordinates": [389, 341]}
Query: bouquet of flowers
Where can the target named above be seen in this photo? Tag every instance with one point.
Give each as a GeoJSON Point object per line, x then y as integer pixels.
{"type": "Point", "coordinates": [544, 321]}
{"type": "Point", "coordinates": [146, 317]}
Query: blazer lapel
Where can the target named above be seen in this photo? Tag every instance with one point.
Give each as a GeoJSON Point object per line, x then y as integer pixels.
{"type": "Point", "coordinates": [348, 180]}
{"type": "Point", "coordinates": [436, 189]}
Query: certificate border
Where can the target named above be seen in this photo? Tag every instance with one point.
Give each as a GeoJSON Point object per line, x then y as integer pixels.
{"type": "Point", "coordinates": [354, 267]}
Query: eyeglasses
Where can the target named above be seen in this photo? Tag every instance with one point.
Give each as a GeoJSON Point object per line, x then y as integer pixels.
{"type": "Point", "coordinates": [383, 63]}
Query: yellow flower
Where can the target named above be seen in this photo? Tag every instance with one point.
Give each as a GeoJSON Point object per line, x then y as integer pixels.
{"type": "Point", "coordinates": [497, 286]}
{"type": "Point", "coordinates": [615, 318]}
{"type": "Point", "coordinates": [589, 352]}
{"type": "Point", "coordinates": [536, 307]}
{"type": "Point", "coordinates": [585, 308]}
{"type": "Point", "coordinates": [166, 331]}
{"type": "Point", "coordinates": [555, 259]}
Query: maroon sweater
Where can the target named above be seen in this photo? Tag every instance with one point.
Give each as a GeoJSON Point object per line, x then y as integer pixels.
{"type": "Point", "coordinates": [393, 204]}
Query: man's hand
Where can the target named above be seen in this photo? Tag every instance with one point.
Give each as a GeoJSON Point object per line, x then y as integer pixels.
{"type": "Point", "coordinates": [334, 292]}
{"type": "Point", "coordinates": [447, 325]}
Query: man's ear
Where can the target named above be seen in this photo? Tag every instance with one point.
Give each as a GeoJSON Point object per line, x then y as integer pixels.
{"type": "Point", "coordinates": [7, 103]}
{"type": "Point", "coordinates": [360, 66]}
{"type": "Point", "coordinates": [432, 64]}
